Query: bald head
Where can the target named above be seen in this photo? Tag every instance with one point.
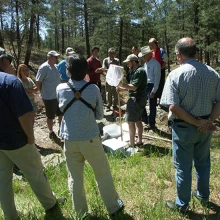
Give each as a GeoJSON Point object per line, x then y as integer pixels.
{"type": "Point", "coordinates": [186, 47]}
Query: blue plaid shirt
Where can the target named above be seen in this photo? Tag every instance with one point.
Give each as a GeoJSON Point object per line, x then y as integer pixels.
{"type": "Point", "coordinates": [79, 121]}
{"type": "Point", "coordinates": [194, 86]}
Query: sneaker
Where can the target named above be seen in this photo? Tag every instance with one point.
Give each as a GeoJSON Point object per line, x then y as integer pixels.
{"type": "Point", "coordinates": [52, 136]}
{"type": "Point", "coordinates": [119, 210]}
{"type": "Point", "coordinates": [172, 205]}
{"type": "Point", "coordinates": [61, 200]}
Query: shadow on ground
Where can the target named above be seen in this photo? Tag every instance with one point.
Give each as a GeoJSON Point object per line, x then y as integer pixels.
{"type": "Point", "coordinates": [149, 149]}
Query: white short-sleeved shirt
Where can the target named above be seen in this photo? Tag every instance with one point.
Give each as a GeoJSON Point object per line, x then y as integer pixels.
{"type": "Point", "coordinates": [50, 78]}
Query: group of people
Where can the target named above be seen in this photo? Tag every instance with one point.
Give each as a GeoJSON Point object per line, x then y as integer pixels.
{"type": "Point", "coordinates": [193, 107]}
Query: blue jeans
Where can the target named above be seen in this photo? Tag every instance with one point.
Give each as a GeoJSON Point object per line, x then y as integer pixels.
{"type": "Point", "coordinates": [190, 145]}
{"type": "Point", "coordinates": [150, 119]}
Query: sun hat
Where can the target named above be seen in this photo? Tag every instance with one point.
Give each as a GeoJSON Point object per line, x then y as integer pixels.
{"type": "Point", "coordinates": [144, 50]}
{"type": "Point", "coordinates": [69, 51]}
{"type": "Point", "coordinates": [53, 53]}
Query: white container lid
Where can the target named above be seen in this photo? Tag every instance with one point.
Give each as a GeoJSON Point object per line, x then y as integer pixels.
{"type": "Point", "coordinates": [112, 130]}
{"type": "Point", "coordinates": [115, 144]}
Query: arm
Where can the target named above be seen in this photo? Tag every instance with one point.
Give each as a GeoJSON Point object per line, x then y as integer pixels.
{"type": "Point", "coordinates": [184, 115]}
{"type": "Point", "coordinates": [157, 73]}
{"type": "Point", "coordinates": [124, 86]}
{"type": "Point", "coordinates": [99, 114]}
{"type": "Point", "coordinates": [33, 90]}
{"type": "Point", "coordinates": [26, 122]}
{"type": "Point", "coordinates": [165, 60]}
{"type": "Point", "coordinates": [39, 85]}
{"type": "Point", "coordinates": [215, 111]}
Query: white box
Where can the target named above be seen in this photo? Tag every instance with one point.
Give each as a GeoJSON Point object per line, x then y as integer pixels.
{"type": "Point", "coordinates": [115, 146]}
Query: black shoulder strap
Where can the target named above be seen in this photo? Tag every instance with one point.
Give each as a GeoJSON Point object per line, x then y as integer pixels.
{"type": "Point", "coordinates": [77, 96]}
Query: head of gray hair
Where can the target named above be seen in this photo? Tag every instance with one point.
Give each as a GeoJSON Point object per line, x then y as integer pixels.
{"type": "Point", "coordinates": [186, 47]}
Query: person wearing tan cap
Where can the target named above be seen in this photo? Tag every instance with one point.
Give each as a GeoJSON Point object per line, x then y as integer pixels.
{"type": "Point", "coordinates": [62, 65]}
{"type": "Point", "coordinates": [137, 98]}
{"type": "Point", "coordinates": [152, 68]}
{"type": "Point", "coordinates": [47, 80]}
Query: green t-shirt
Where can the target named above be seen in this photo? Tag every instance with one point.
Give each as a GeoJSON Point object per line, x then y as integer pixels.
{"type": "Point", "coordinates": [138, 79]}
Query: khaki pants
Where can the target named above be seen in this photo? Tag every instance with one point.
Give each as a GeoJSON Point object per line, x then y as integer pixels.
{"type": "Point", "coordinates": [111, 92]}
{"type": "Point", "coordinates": [76, 153]}
{"type": "Point", "coordinates": [28, 159]}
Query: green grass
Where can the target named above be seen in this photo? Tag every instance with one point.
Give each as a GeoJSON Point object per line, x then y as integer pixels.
{"type": "Point", "coordinates": [143, 181]}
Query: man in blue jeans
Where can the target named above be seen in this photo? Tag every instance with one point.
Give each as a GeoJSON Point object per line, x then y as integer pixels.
{"type": "Point", "coordinates": [193, 107]}
{"type": "Point", "coordinates": [153, 71]}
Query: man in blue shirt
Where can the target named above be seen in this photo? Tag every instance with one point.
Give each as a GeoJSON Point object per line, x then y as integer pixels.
{"type": "Point", "coordinates": [62, 65]}
{"type": "Point", "coordinates": [192, 93]}
{"type": "Point", "coordinates": [17, 143]}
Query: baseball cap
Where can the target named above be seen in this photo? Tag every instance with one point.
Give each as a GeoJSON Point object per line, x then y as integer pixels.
{"type": "Point", "coordinates": [111, 50]}
{"type": "Point", "coordinates": [131, 57]}
{"type": "Point", "coordinates": [69, 51]}
{"type": "Point", "coordinates": [53, 53]}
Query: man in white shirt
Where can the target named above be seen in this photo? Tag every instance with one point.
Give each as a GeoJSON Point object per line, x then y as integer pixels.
{"type": "Point", "coordinates": [153, 71]}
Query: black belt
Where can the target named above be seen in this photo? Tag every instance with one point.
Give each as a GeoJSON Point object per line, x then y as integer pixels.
{"type": "Point", "coordinates": [203, 117]}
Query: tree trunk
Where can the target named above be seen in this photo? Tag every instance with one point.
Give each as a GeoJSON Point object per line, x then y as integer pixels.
{"type": "Point", "coordinates": [120, 39]}
{"type": "Point", "coordinates": [30, 40]}
{"type": "Point", "coordinates": [62, 29]}
{"type": "Point", "coordinates": [38, 32]}
{"type": "Point", "coordinates": [86, 29]}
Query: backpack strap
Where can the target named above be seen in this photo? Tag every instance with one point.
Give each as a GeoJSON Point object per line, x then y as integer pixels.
{"type": "Point", "coordinates": [77, 96]}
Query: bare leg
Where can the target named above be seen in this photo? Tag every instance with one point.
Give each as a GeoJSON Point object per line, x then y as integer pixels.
{"type": "Point", "coordinates": [132, 129]}
{"type": "Point", "coordinates": [139, 131]}
{"type": "Point", "coordinates": [50, 124]}
{"type": "Point", "coordinates": [60, 119]}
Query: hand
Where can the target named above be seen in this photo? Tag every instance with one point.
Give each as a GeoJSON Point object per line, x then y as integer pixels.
{"type": "Point", "coordinates": [206, 126]}
{"type": "Point", "coordinates": [152, 94]}
{"type": "Point", "coordinates": [118, 89]}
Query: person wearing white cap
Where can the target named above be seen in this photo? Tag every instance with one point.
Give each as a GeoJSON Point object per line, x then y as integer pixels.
{"type": "Point", "coordinates": [62, 65]}
{"type": "Point", "coordinates": [137, 98]}
{"type": "Point", "coordinates": [152, 68]}
{"type": "Point", "coordinates": [47, 79]}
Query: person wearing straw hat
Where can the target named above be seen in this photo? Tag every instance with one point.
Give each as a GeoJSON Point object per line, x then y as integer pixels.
{"type": "Point", "coordinates": [110, 90]}
{"type": "Point", "coordinates": [152, 68]}
{"type": "Point", "coordinates": [137, 98]}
